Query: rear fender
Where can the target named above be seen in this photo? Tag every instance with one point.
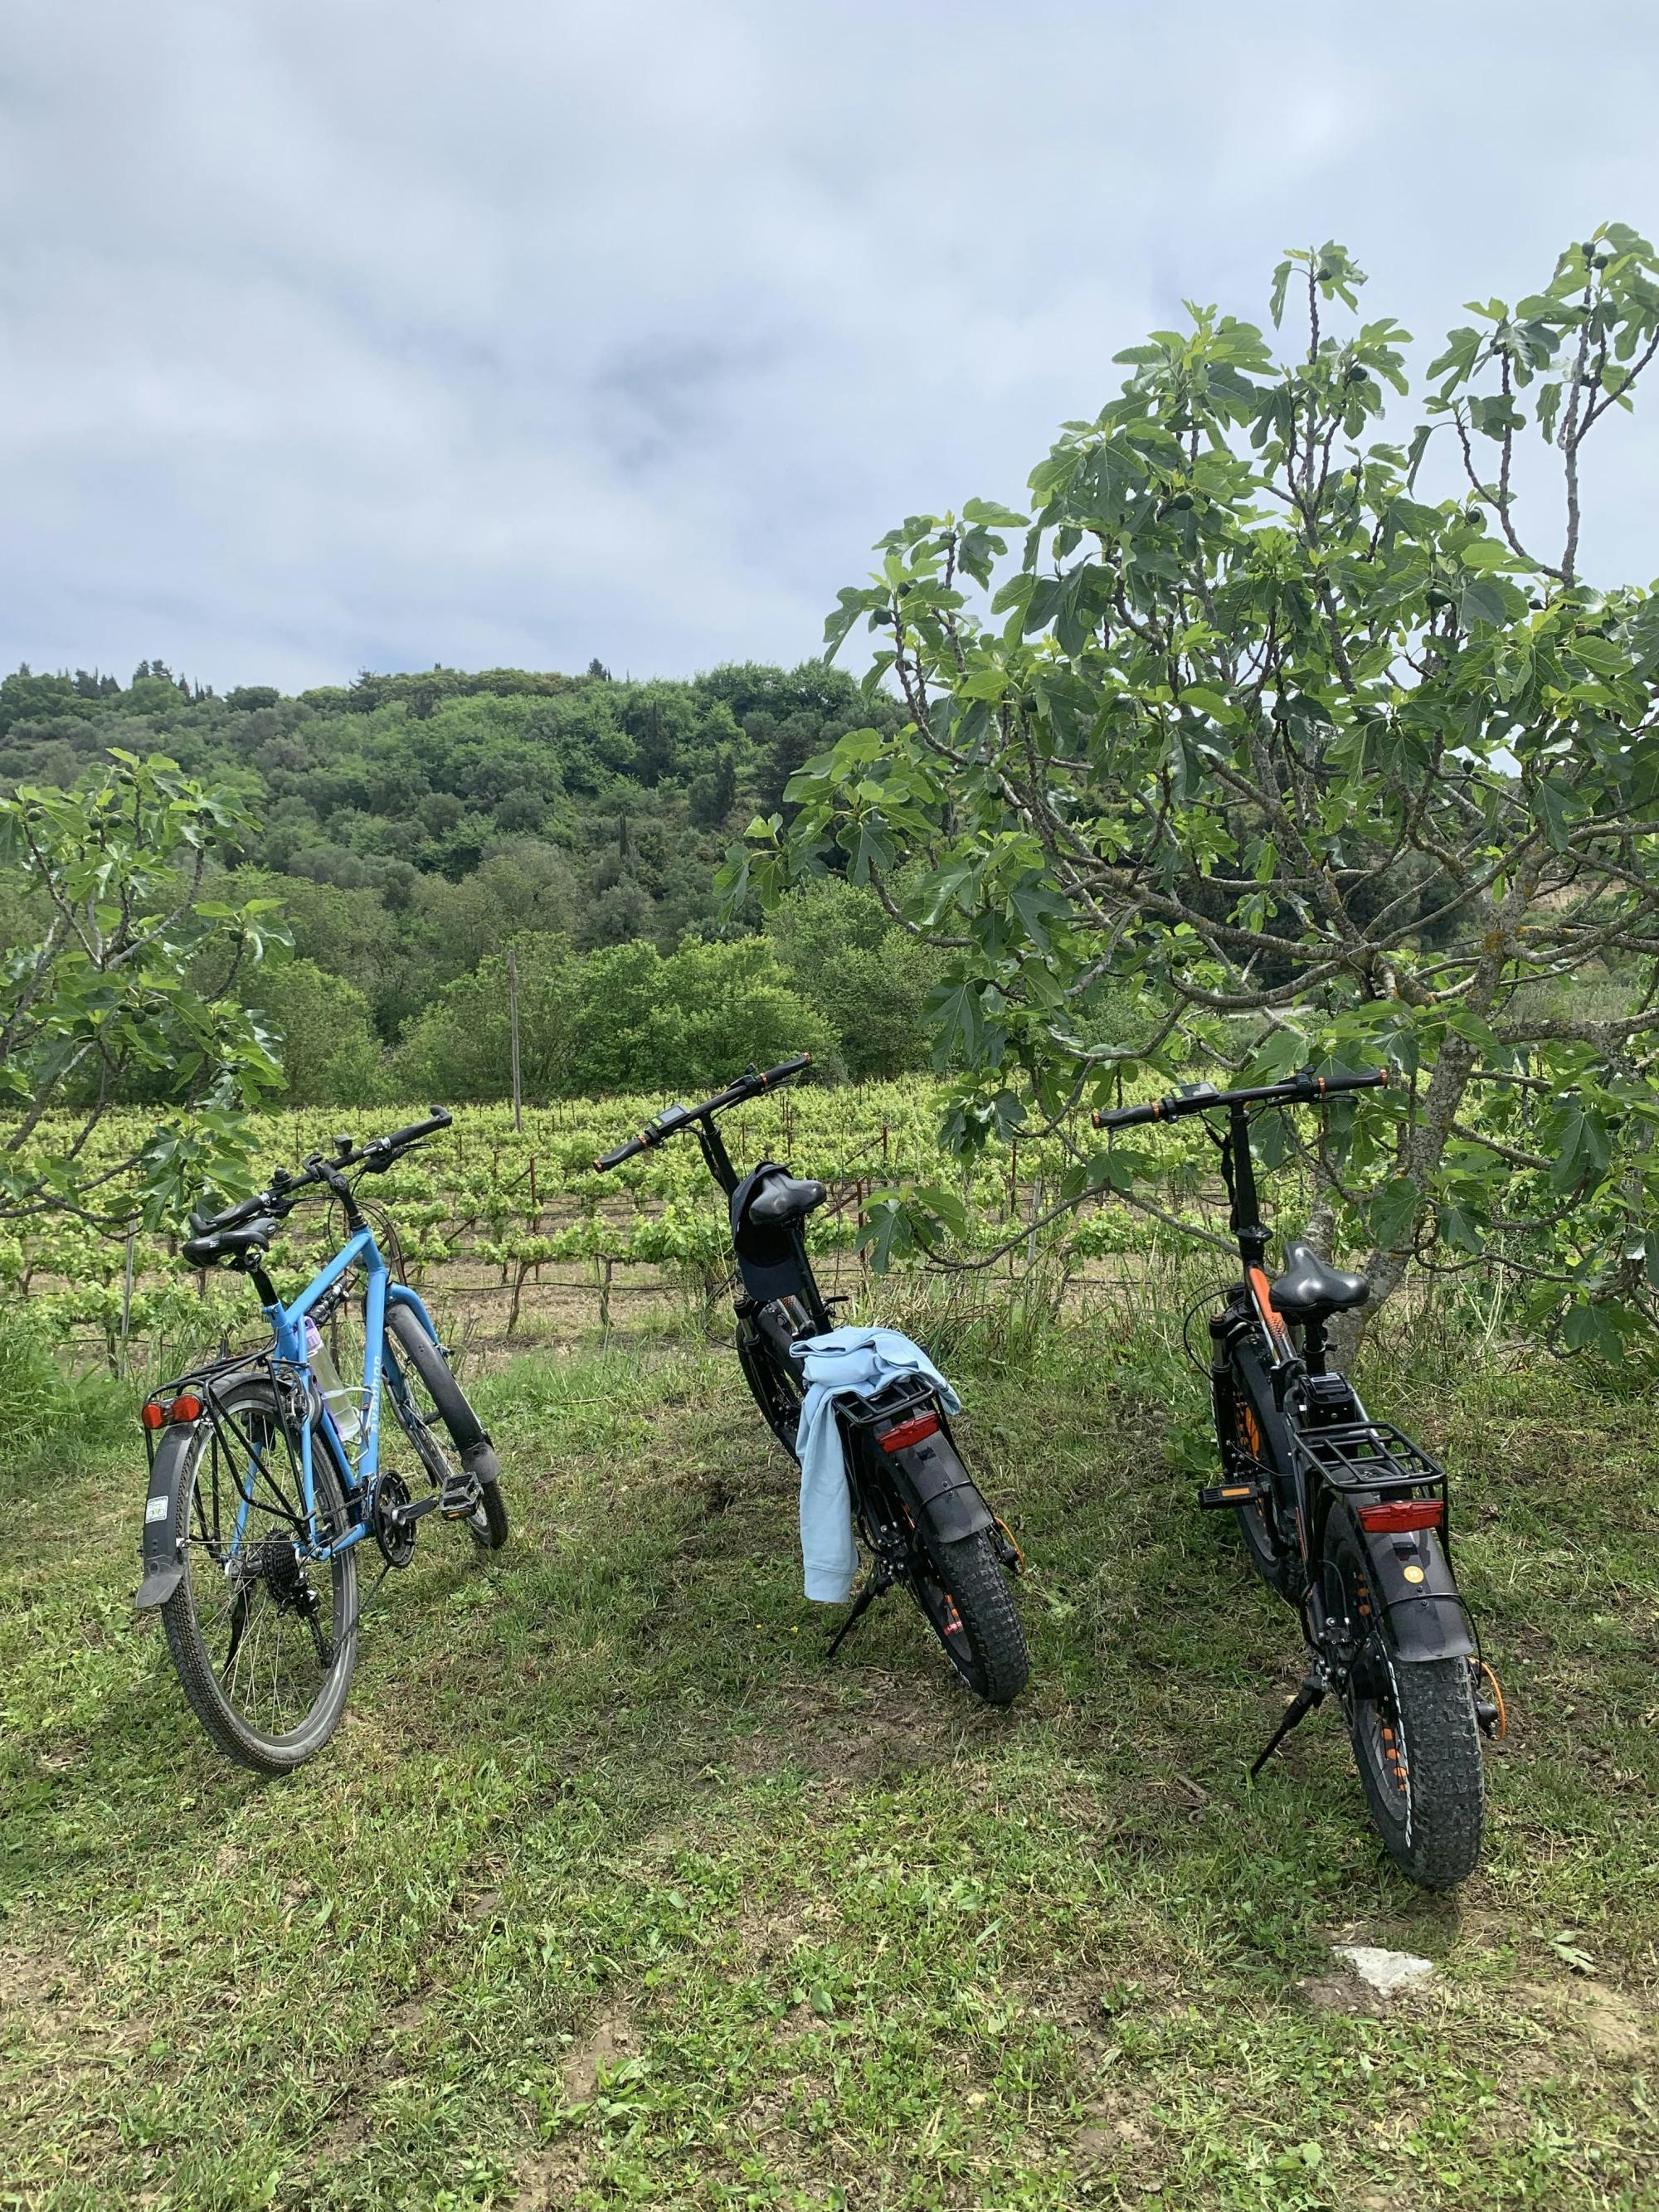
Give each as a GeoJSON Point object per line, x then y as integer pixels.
{"type": "Point", "coordinates": [939, 1488]}
{"type": "Point", "coordinates": [161, 1551]}
{"type": "Point", "coordinates": [1413, 1577]}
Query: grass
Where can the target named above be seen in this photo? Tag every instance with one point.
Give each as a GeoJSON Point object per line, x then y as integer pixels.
{"type": "Point", "coordinates": [609, 1892]}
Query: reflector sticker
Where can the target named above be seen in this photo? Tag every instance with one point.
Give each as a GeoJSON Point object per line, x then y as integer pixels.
{"type": "Point", "coordinates": [156, 1510]}
{"type": "Point", "coordinates": [1413, 1574]}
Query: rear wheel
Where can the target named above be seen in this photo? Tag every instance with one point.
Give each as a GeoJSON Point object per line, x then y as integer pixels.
{"type": "Point", "coordinates": [1416, 1739]}
{"type": "Point", "coordinates": [440, 1423]}
{"type": "Point", "coordinates": [962, 1590]}
{"type": "Point", "coordinates": [265, 1639]}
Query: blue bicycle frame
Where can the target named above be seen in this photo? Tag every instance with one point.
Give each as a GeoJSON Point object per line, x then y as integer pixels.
{"type": "Point", "coordinates": [287, 1325]}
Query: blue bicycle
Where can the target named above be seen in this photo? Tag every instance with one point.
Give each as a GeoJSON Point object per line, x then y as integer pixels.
{"type": "Point", "coordinates": [266, 1478]}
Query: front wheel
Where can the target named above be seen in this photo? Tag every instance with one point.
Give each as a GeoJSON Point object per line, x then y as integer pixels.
{"type": "Point", "coordinates": [776, 1393]}
{"type": "Point", "coordinates": [1416, 1739]}
{"type": "Point", "coordinates": [962, 1590]}
{"type": "Point", "coordinates": [439, 1422]}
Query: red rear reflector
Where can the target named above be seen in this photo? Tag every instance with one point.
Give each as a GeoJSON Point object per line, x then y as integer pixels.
{"type": "Point", "coordinates": [186, 1407]}
{"type": "Point", "coordinates": [909, 1433]}
{"type": "Point", "coordinates": [153, 1416]}
{"type": "Point", "coordinates": [1402, 1513]}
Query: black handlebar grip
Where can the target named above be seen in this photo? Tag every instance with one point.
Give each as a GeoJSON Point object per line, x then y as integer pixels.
{"type": "Point", "coordinates": [438, 1119]}
{"type": "Point", "coordinates": [607, 1160]}
{"type": "Point", "coordinates": [786, 1068]}
{"type": "Point", "coordinates": [1129, 1117]}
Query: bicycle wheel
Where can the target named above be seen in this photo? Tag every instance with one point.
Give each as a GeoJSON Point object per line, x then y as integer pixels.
{"type": "Point", "coordinates": [1245, 1405]}
{"type": "Point", "coordinates": [778, 1395]}
{"type": "Point", "coordinates": [962, 1590]}
{"type": "Point", "coordinates": [264, 1640]}
{"type": "Point", "coordinates": [440, 1423]}
{"type": "Point", "coordinates": [1416, 1741]}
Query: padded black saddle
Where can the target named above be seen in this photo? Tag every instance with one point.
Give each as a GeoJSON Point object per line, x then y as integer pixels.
{"type": "Point", "coordinates": [230, 1244]}
{"type": "Point", "coordinates": [1310, 1289]}
{"type": "Point", "coordinates": [783, 1197]}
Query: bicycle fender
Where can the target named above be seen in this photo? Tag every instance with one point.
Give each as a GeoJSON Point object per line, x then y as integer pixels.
{"type": "Point", "coordinates": [1426, 1617]}
{"type": "Point", "coordinates": [939, 1488]}
{"type": "Point", "coordinates": [160, 1553]}
{"type": "Point", "coordinates": [479, 1460]}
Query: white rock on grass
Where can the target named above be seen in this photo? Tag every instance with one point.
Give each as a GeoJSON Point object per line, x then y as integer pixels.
{"type": "Point", "coordinates": [1385, 1971]}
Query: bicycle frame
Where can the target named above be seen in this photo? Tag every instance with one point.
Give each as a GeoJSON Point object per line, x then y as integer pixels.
{"type": "Point", "coordinates": [286, 1322]}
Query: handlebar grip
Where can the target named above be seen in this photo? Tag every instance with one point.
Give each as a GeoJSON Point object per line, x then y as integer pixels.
{"type": "Point", "coordinates": [607, 1160]}
{"type": "Point", "coordinates": [1129, 1117]}
{"type": "Point", "coordinates": [786, 1068]}
{"type": "Point", "coordinates": [439, 1118]}
{"type": "Point", "coordinates": [1370, 1078]}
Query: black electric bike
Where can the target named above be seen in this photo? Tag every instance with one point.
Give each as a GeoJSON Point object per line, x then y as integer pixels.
{"type": "Point", "coordinates": [1343, 1517]}
{"type": "Point", "coordinates": [919, 1516]}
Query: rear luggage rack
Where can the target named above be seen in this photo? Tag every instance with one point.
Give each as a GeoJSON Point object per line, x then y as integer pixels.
{"type": "Point", "coordinates": [1367, 1456]}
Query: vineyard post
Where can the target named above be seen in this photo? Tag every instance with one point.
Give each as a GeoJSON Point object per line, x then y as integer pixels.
{"type": "Point", "coordinates": [535, 1212]}
{"type": "Point", "coordinates": [126, 1304]}
{"type": "Point", "coordinates": [513, 1025]}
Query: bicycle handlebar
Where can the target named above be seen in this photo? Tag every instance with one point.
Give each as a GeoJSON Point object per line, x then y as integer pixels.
{"type": "Point", "coordinates": [1303, 1089]}
{"type": "Point", "coordinates": [749, 1084]}
{"type": "Point", "coordinates": [379, 1153]}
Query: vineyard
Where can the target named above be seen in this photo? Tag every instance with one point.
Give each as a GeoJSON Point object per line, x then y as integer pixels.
{"type": "Point", "coordinates": [524, 1242]}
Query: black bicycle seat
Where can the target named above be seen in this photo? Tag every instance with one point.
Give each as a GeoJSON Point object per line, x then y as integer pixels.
{"type": "Point", "coordinates": [783, 1197]}
{"type": "Point", "coordinates": [1310, 1289]}
{"type": "Point", "coordinates": [253, 1236]}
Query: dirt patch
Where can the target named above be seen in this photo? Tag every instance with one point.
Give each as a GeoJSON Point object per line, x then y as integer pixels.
{"type": "Point", "coordinates": [549, 2181]}
{"type": "Point", "coordinates": [1614, 2024]}
{"type": "Point", "coordinates": [609, 2040]}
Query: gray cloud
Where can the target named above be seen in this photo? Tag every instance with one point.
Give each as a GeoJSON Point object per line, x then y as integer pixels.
{"type": "Point", "coordinates": [337, 332]}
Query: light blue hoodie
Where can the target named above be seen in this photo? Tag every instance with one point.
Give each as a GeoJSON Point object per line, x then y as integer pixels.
{"type": "Point", "coordinates": [843, 1362]}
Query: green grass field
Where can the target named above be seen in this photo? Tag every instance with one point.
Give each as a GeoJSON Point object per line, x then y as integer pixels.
{"type": "Point", "coordinates": [610, 1892]}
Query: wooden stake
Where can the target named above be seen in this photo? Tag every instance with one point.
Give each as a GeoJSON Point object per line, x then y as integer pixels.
{"type": "Point", "coordinates": [513, 1024]}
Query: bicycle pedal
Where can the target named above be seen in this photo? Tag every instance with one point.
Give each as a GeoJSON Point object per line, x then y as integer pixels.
{"type": "Point", "coordinates": [459, 1505]}
{"type": "Point", "coordinates": [1223, 1497]}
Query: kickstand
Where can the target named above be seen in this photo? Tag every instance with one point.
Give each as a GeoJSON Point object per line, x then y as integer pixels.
{"type": "Point", "coordinates": [1311, 1693]}
{"type": "Point", "coordinates": [866, 1598]}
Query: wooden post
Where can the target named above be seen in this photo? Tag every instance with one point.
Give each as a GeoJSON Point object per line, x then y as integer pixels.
{"type": "Point", "coordinates": [513, 1024]}
{"type": "Point", "coordinates": [126, 1306]}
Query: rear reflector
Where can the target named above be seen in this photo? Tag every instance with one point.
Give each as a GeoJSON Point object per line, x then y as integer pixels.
{"type": "Point", "coordinates": [1400, 1514]}
{"type": "Point", "coordinates": [187, 1407]}
{"type": "Point", "coordinates": [909, 1433]}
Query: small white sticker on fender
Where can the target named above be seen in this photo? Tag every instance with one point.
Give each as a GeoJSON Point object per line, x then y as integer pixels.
{"type": "Point", "coordinates": [156, 1510]}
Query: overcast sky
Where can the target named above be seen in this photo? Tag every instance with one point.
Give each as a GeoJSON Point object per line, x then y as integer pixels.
{"type": "Point", "coordinates": [346, 333]}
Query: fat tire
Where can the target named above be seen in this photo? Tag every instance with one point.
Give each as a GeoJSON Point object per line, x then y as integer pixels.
{"type": "Point", "coordinates": [250, 1746]}
{"type": "Point", "coordinates": [487, 1525]}
{"type": "Point", "coordinates": [972, 1575]}
{"type": "Point", "coordinates": [1433, 1833]}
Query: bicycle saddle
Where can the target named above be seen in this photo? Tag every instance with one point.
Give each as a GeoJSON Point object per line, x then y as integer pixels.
{"type": "Point", "coordinates": [782, 1198]}
{"type": "Point", "coordinates": [230, 1244]}
{"type": "Point", "coordinates": [1311, 1290]}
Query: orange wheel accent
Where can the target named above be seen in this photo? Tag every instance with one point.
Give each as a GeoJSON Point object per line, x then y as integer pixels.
{"type": "Point", "coordinates": [1013, 1539]}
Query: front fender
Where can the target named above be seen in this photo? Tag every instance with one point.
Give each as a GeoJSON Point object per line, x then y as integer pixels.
{"type": "Point", "coordinates": [162, 1550]}
{"type": "Point", "coordinates": [1426, 1617]}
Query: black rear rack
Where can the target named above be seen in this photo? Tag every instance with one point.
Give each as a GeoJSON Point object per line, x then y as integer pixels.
{"type": "Point", "coordinates": [892, 1404]}
{"type": "Point", "coordinates": [1356, 1455]}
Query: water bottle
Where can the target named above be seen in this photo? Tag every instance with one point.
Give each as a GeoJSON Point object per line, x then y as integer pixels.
{"type": "Point", "coordinates": [341, 1401]}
